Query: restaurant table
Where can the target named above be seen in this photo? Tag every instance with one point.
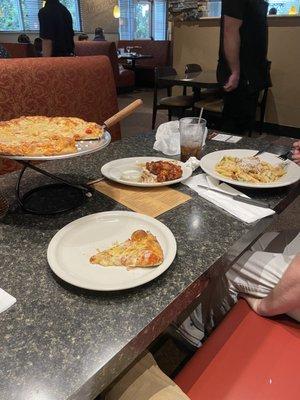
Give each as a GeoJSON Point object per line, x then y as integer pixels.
{"type": "Point", "coordinates": [59, 342]}
{"type": "Point", "coordinates": [134, 57]}
{"type": "Point", "coordinates": [196, 80]}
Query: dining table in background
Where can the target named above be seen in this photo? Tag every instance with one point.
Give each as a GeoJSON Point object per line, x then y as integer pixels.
{"type": "Point", "coordinates": [205, 79]}
{"type": "Point", "coordinates": [133, 58]}
{"type": "Point", "coordinates": [59, 342]}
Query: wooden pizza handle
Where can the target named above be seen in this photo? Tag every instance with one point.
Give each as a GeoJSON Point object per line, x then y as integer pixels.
{"type": "Point", "coordinates": [123, 113]}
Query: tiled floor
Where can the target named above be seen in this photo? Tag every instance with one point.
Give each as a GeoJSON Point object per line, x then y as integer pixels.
{"type": "Point", "coordinates": [140, 122]}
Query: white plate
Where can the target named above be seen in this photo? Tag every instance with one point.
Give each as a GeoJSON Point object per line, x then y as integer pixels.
{"type": "Point", "coordinates": [71, 248]}
{"type": "Point", "coordinates": [209, 162]}
{"type": "Point", "coordinates": [114, 170]}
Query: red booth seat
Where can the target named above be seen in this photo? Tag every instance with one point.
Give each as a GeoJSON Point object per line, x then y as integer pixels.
{"type": "Point", "coordinates": [58, 86]}
{"type": "Point", "coordinates": [19, 50]}
{"type": "Point", "coordinates": [247, 357]}
{"type": "Point", "coordinates": [123, 78]}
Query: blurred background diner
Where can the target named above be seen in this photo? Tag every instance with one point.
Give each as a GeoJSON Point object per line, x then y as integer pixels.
{"type": "Point", "coordinates": [230, 66]}
{"type": "Point", "coordinates": [182, 35]}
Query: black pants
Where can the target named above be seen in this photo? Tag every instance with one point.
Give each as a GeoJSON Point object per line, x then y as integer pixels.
{"type": "Point", "coordinates": [239, 110]}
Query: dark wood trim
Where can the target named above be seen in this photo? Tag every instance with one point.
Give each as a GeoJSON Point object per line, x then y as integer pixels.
{"type": "Point", "coordinates": [281, 130]}
{"type": "Point", "coordinates": [215, 122]}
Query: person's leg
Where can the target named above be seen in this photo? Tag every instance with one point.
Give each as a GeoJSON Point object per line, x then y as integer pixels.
{"type": "Point", "coordinates": [230, 112]}
{"type": "Point", "coordinates": [259, 270]}
{"type": "Point", "coordinates": [286, 242]}
{"type": "Point", "coordinates": [216, 301]}
{"type": "Point", "coordinates": [239, 110]}
{"type": "Point", "coordinates": [255, 273]}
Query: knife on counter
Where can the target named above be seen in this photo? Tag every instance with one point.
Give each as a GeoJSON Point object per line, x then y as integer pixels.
{"type": "Point", "coordinates": [237, 197]}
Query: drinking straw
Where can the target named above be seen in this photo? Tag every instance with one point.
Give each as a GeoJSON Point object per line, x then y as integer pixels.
{"type": "Point", "coordinates": [200, 116]}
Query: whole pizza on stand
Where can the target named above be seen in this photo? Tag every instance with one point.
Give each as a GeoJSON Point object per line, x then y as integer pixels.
{"type": "Point", "coordinates": [39, 135]}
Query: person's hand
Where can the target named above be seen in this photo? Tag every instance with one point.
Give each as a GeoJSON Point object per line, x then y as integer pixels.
{"type": "Point", "coordinates": [296, 152]}
{"type": "Point", "coordinates": [233, 82]}
{"type": "Point", "coordinates": [254, 303]}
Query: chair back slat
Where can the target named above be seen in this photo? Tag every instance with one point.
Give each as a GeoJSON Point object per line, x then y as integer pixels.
{"type": "Point", "coordinates": [160, 72]}
{"type": "Point", "coordinates": [190, 68]}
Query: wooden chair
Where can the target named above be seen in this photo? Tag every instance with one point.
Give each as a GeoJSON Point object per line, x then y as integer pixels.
{"type": "Point", "coordinates": [189, 69]}
{"type": "Point", "coordinates": [200, 93]}
{"type": "Point", "coordinates": [170, 103]}
{"type": "Point", "coordinates": [215, 105]}
{"type": "Point", "coordinates": [210, 104]}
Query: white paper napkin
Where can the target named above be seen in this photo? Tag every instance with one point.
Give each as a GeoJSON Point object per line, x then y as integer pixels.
{"type": "Point", "coordinates": [6, 300]}
{"type": "Point", "coordinates": [222, 137]}
{"type": "Point", "coordinates": [168, 138]}
{"type": "Point", "coordinates": [193, 163]}
{"type": "Point", "coordinates": [245, 212]}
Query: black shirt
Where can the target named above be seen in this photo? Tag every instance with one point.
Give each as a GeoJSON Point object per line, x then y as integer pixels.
{"type": "Point", "coordinates": [254, 42]}
{"type": "Point", "coordinates": [56, 24]}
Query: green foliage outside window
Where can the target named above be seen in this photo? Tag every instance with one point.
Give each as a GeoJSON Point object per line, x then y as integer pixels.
{"type": "Point", "coordinates": [142, 21]}
{"type": "Point", "coordinates": [72, 6]}
{"type": "Point", "coordinates": [22, 15]}
{"type": "Point", "coordinates": [9, 15]}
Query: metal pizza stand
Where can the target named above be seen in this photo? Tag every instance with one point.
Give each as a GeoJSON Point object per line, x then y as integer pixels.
{"type": "Point", "coordinates": [65, 194]}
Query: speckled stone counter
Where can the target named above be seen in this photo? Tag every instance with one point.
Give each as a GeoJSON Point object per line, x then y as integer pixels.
{"type": "Point", "coordinates": [59, 342]}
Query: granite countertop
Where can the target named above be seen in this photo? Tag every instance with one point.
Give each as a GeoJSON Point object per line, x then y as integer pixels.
{"type": "Point", "coordinates": [59, 342]}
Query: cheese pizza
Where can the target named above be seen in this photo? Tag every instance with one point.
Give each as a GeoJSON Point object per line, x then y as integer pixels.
{"type": "Point", "coordinates": [38, 135]}
{"type": "Point", "coordinates": [141, 250]}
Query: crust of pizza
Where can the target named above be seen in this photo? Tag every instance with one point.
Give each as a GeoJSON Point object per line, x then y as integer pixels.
{"type": "Point", "coordinates": [39, 135]}
{"type": "Point", "coordinates": [141, 250]}
{"type": "Point", "coordinates": [44, 147]}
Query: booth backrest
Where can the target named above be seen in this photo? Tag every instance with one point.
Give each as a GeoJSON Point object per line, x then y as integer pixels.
{"type": "Point", "coordinates": [19, 50]}
{"type": "Point", "coordinates": [159, 49]}
{"type": "Point", "coordinates": [93, 48]}
{"type": "Point", "coordinates": [72, 86]}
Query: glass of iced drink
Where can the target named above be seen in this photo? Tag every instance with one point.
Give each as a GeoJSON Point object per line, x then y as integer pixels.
{"type": "Point", "coordinates": [192, 137]}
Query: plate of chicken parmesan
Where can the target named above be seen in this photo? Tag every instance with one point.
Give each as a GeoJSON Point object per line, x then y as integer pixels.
{"type": "Point", "coordinates": [113, 250]}
{"type": "Point", "coordinates": [146, 171]}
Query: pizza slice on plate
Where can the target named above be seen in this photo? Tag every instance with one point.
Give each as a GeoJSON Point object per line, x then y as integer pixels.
{"type": "Point", "coordinates": [141, 250]}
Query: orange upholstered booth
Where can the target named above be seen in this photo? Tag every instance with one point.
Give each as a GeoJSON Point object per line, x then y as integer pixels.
{"type": "Point", "coordinates": [124, 78]}
{"type": "Point", "coordinates": [72, 86]}
{"type": "Point", "coordinates": [247, 357]}
{"type": "Point", "coordinates": [19, 50]}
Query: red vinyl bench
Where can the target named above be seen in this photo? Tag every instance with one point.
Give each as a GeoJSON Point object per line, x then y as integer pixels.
{"type": "Point", "coordinates": [247, 357]}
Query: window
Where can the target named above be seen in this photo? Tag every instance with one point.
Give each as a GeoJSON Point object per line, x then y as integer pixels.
{"type": "Point", "coordinates": [22, 15]}
{"type": "Point", "coordinates": [212, 8]}
{"type": "Point", "coordinates": [74, 8]}
{"type": "Point", "coordinates": [283, 7]}
{"type": "Point", "coordinates": [143, 19]}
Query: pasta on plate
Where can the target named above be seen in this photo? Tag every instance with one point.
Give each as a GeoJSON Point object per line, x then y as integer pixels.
{"type": "Point", "coordinates": [250, 169]}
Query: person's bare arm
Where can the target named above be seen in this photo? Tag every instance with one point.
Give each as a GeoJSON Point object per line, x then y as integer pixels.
{"type": "Point", "coordinates": [296, 152]}
{"type": "Point", "coordinates": [232, 42]}
{"type": "Point", "coordinates": [285, 297]}
{"type": "Point", "coordinates": [47, 48]}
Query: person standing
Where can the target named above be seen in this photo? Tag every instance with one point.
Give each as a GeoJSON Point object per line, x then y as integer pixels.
{"type": "Point", "coordinates": [243, 65]}
{"type": "Point", "coordinates": [56, 30]}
